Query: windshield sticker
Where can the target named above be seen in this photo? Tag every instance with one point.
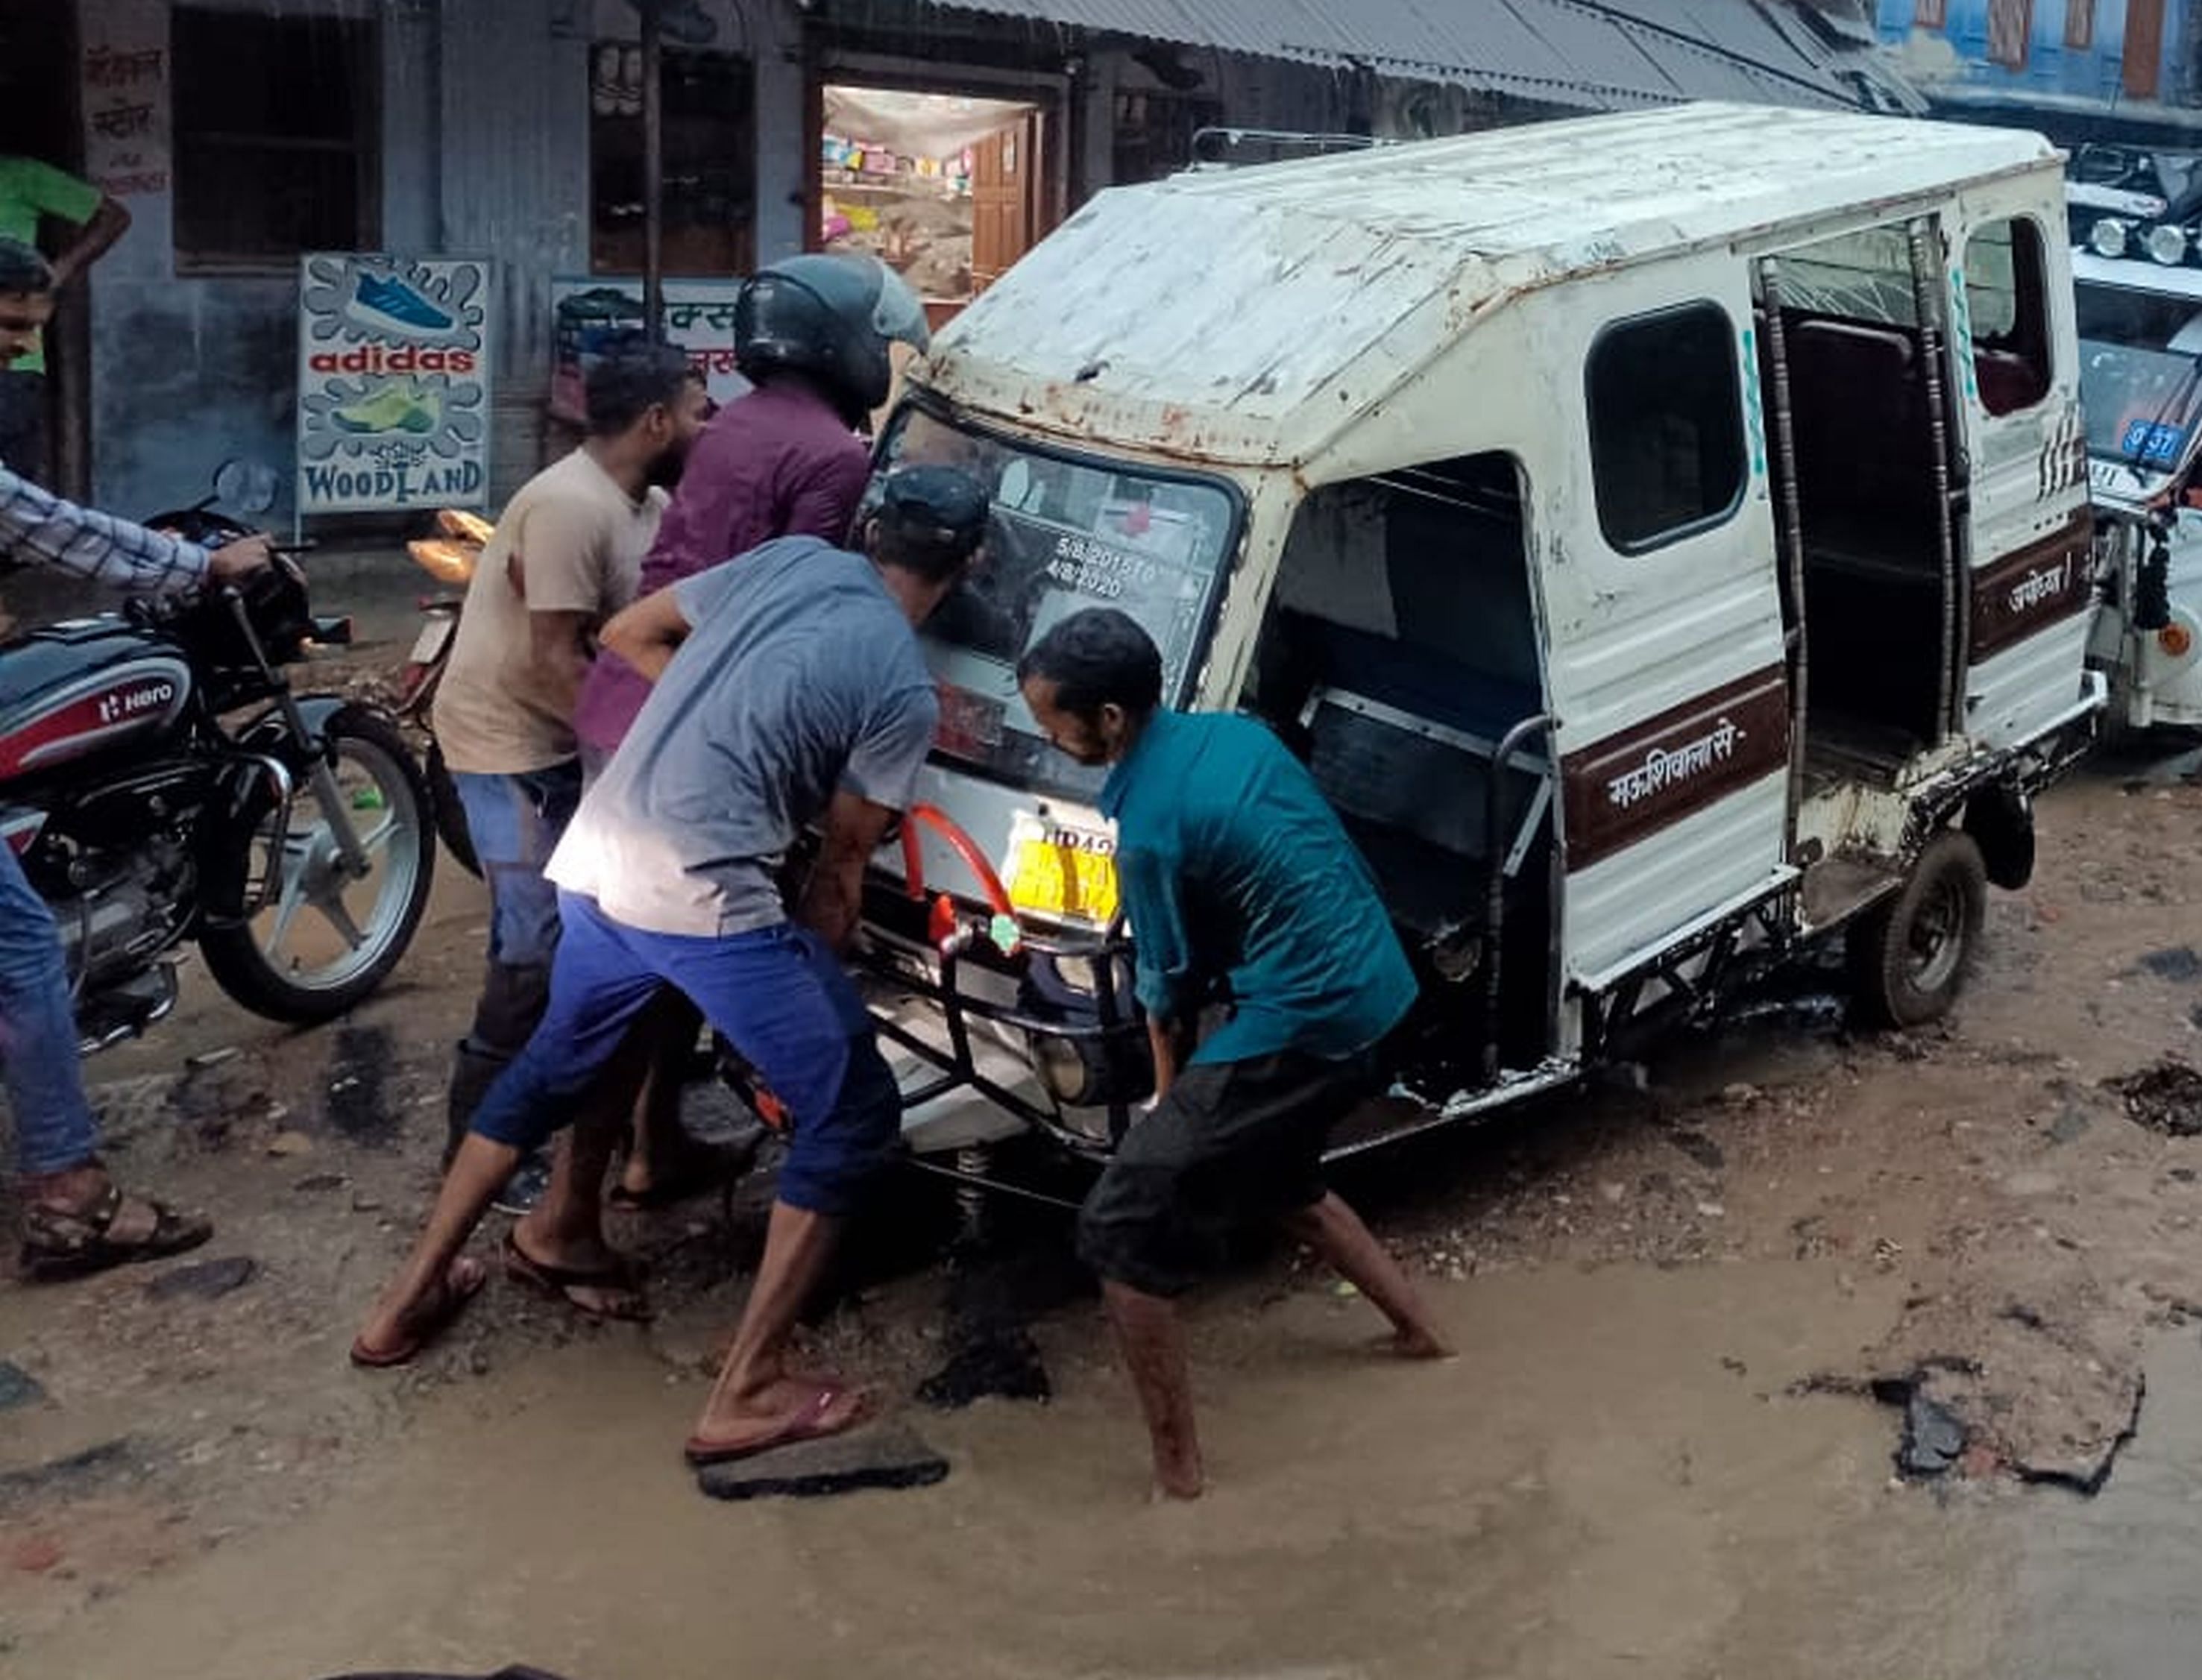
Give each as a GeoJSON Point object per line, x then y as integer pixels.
{"type": "Point", "coordinates": [1094, 569]}
{"type": "Point", "coordinates": [2153, 443]}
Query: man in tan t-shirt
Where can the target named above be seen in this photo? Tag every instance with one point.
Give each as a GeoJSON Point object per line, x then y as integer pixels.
{"type": "Point", "coordinates": [566, 556]}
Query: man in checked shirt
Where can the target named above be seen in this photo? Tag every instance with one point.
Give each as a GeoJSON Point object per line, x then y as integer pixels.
{"type": "Point", "coordinates": [75, 1219]}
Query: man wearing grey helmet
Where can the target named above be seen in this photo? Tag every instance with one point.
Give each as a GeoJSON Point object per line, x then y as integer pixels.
{"type": "Point", "coordinates": [789, 692]}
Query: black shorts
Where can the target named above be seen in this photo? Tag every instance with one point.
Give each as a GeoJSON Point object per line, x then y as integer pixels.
{"type": "Point", "coordinates": [1234, 1143]}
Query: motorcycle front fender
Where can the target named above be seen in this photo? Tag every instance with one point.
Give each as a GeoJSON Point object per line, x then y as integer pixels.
{"type": "Point", "coordinates": [270, 734]}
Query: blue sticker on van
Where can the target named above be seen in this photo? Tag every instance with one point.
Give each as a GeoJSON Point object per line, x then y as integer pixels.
{"type": "Point", "coordinates": [2153, 443]}
{"type": "Point", "coordinates": [1754, 412]}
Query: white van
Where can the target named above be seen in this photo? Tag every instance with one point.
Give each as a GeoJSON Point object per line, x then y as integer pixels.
{"type": "Point", "coordinates": [1665, 538]}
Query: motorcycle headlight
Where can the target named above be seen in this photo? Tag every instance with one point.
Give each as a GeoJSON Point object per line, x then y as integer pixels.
{"type": "Point", "coordinates": [2107, 238]}
{"type": "Point", "coordinates": [2168, 245]}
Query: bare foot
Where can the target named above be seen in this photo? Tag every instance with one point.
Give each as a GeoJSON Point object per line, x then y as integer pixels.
{"type": "Point", "coordinates": [1176, 1483]}
{"type": "Point", "coordinates": [1414, 1345]}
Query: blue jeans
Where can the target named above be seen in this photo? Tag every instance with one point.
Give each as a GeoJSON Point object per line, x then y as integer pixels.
{"type": "Point", "coordinates": [54, 1128]}
{"type": "Point", "coordinates": [516, 822]}
{"type": "Point", "coordinates": [778, 996]}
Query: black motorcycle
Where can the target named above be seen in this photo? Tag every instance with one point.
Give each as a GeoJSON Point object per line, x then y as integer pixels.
{"type": "Point", "coordinates": [161, 784]}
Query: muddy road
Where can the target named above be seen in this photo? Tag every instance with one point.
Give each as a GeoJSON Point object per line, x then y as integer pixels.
{"type": "Point", "coordinates": [1701, 1309]}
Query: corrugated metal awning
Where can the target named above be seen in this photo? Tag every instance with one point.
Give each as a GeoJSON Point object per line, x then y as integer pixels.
{"type": "Point", "coordinates": [1589, 54]}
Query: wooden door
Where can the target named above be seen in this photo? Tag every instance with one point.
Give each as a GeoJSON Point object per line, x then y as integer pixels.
{"type": "Point", "coordinates": [2144, 47]}
{"type": "Point", "coordinates": [1003, 171]}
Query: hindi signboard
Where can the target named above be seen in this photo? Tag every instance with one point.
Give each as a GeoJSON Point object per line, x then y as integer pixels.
{"type": "Point", "coordinates": [586, 313]}
{"type": "Point", "coordinates": [393, 382]}
{"type": "Point", "coordinates": [123, 91]}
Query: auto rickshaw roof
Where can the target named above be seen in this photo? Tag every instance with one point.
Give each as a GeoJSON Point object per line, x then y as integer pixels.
{"type": "Point", "coordinates": [1249, 315]}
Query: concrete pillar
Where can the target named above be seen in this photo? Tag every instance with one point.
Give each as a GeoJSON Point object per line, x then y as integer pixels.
{"type": "Point", "coordinates": [783, 140]}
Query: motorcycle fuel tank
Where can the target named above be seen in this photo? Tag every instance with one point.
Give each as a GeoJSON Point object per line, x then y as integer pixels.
{"type": "Point", "coordinates": [87, 687]}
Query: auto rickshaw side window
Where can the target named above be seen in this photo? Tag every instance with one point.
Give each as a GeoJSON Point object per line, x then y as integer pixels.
{"type": "Point", "coordinates": [1666, 426]}
{"type": "Point", "coordinates": [2007, 304]}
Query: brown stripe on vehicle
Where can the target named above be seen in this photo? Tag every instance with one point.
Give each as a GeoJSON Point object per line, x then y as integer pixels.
{"type": "Point", "coordinates": [2031, 588]}
{"type": "Point", "coordinates": [1632, 785]}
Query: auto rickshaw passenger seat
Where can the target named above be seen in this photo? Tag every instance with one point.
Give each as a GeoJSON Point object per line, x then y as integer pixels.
{"type": "Point", "coordinates": [1864, 464]}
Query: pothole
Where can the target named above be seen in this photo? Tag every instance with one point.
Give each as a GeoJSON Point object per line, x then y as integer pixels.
{"type": "Point", "coordinates": [2166, 1097]}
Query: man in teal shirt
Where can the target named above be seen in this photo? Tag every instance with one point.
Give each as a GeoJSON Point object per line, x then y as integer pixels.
{"type": "Point", "coordinates": [1247, 902]}
{"type": "Point", "coordinates": [31, 191]}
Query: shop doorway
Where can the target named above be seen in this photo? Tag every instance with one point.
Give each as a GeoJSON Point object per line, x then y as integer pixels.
{"type": "Point", "coordinates": [947, 189]}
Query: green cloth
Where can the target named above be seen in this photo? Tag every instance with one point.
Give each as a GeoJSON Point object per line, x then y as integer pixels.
{"type": "Point", "coordinates": [1243, 888]}
{"type": "Point", "coordinates": [28, 190]}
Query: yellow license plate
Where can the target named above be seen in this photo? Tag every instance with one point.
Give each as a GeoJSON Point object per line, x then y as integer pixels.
{"type": "Point", "coordinates": [1069, 874]}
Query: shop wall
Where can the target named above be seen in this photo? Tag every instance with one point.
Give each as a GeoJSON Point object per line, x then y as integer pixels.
{"type": "Point", "coordinates": [483, 147]}
{"type": "Point", "coordinates": [514, 113]}
{"type": "Point", "coordinates": [191, 369]}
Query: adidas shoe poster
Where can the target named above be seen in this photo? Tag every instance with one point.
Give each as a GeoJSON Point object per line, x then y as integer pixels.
{"type": "Point", "coordinates": [393, 382]}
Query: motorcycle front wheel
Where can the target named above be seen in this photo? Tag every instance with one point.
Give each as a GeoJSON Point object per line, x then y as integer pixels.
{"type": "Point", "coordinates": [326, 934]}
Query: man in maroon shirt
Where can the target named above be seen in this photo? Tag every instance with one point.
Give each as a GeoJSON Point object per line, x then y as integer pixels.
{"type": "Point", "coordinates": [812, 335]}
{"type": "Point", "coordinates": [777, 462]}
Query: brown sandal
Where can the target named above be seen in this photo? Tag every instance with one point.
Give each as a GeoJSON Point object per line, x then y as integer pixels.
{"type": "Point", "coordinates": [619, 1280]}
{"type": "Point", "coordinates": [60, 1242]}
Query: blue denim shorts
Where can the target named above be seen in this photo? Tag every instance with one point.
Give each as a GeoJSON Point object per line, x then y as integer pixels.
{"type": "Point", "coordinates": [777, 994]}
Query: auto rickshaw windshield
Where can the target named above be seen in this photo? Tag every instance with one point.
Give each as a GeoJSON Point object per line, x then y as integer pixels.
{"type": "Point", "coordinates": [1068, 531]}
{"type": "Point", "coordinates": [2141, 378]}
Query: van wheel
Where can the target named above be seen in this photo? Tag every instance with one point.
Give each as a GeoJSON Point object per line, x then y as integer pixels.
{"type": "Point", "coordinates": [1909, 956]}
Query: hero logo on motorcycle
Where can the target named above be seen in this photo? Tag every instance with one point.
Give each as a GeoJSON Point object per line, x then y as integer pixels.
{"type": "Point", "coordinates": [123, 702]}
{"type": "Point", "coordinates": [71, 725]}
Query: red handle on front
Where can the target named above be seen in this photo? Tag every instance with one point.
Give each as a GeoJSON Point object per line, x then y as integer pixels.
{"type": "Point", "coordinates": [948, 829]}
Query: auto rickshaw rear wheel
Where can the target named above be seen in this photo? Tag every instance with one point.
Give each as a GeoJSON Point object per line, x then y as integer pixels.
{"type": "Point", "coordinates": [1909, 955]}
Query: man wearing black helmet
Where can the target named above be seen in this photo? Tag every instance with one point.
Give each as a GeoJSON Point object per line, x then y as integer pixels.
{"type": "Point", "coordinates": [784, 460]}
{"type": "Point", "coordinates": [789, 691]}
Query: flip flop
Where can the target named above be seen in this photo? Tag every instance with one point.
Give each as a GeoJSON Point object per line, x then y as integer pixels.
{"type": "Point", "coordinates": [808, 1423]}
{"type": "Point", "coordinates": [428, 1325]}
{"type": "Point", "coordinates": [557, 1283]}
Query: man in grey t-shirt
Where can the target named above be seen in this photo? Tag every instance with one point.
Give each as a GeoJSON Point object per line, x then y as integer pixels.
{"type": "Point", "coordinates": [793, 693]}
{"type": "Point", "coordinates": [686, 830]}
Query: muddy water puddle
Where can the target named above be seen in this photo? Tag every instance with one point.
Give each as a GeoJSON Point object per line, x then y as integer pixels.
{"type": "Point", "coordinates": [1613, 1483]}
